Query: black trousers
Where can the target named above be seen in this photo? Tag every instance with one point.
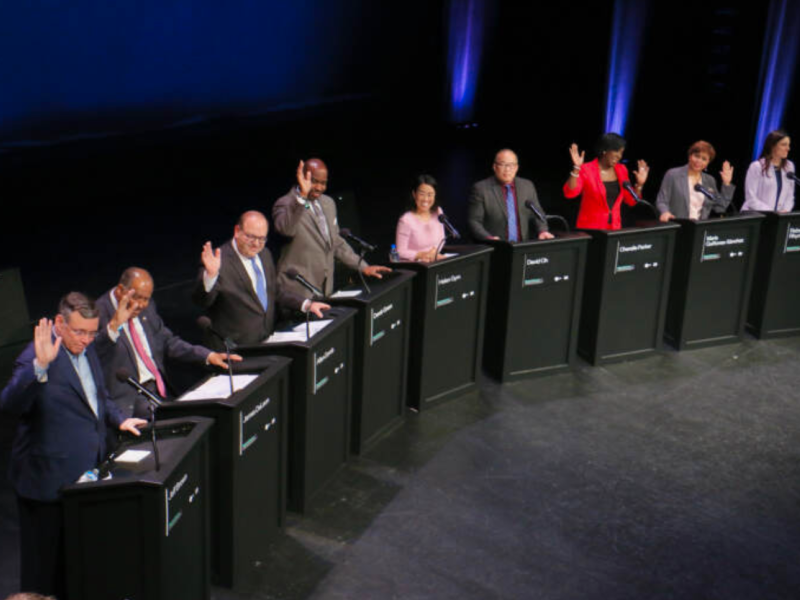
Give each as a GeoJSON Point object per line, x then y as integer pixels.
{"type": "Point", "coordinates": [41, 541]}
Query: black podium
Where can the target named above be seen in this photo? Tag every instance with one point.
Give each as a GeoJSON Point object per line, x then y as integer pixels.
{"type": "Point", "coordinates": [448, 313]}
{"type": "Point", "coordinates": [535, 296]}
{"type": "Point", "coordinates": [625, 292]}
{"type": "Point", "coordinates": [143, 534]}
{"type": "Point", "coordinates": [714, 262]}
{"type": "Point", "coordinates": [320, 388]}
{"type": "Point", "coordinates": [774, 310]}
{"type": "Point", "coordinates": [380, 356]}
{"type": "Point", "coordinates": [247, 468]}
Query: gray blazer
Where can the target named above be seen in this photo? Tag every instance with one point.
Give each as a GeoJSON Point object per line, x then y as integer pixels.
{"type": "Point", "coordinates": [309, 252]}
{"type": "Point", "coordinates": [674, 194]}
{"type": "Point", "coordinates": [487, 213]}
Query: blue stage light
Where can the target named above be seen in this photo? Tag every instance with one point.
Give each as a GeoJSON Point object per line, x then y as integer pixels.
{"type": "Point", "coordinates": [629, 22]}
{"type": "Point", "coordinates": [465, 41]}
{"type": "Point", "coordinates": [777, 67]}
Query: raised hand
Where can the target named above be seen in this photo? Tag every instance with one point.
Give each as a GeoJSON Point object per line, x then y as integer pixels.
{"type": "Point", "coordinates": [124, 311]}
{"type": "Point", "coordinates": [577, 157]}
{"type": "Point", "coordinates": [726, 173]}
{"type": "Point", "coordinates": [44, 346]}
{"type": "Point", "coordinates": [212, 259]}
{"type": "Point", "coordinates": [303, 180]}
{"type": "Point", "coordinates": [641, 172]}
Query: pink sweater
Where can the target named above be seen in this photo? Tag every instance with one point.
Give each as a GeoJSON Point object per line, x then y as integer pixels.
{"type": "Point", "coordinates": [414, 235]}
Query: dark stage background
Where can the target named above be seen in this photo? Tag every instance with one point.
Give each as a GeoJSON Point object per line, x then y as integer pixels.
{"type": "Point", "coordinates": [133, 134]}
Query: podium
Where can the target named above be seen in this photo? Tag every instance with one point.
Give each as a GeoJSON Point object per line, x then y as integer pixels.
{"type": "Point", "coordinates": [380, 356]}
{"type": "Point", "coordinates": [714, 263]}
{"type": "Point", "coordinates": [143, 533]}
{"type": "Point", "coordinates": [774, 310]}
{"type": "Point", "coordinates": [247, 468]}
{"type": "Point", "coordinates": [448, 313]}
{"type": "Point", "coordinates": [625, 292]}
{"type": "Point", "coordinates": [535, 295]}
{"type": "Point", "coordinates": [320, 391]}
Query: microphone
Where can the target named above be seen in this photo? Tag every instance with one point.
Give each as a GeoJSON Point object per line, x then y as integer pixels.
{"type": "Point", "coordinates": [295, 276]}
{"type": "Point", "coordinates": [354, 238]}
{"type": "Point", "coordinates": [627, 185]}
{"type": "Point", "coordinates": [204, 323]}
{"type": "Point", "coordinates": [790, 175]}
{"type": "Point", "coordinates": [124, 376]}
{"type": "Point", "coordinates": [449, 226]}
{"type": "Point", "coordinates": [705, 191]}
{"type": "Point", "coordinates": [535, 210]}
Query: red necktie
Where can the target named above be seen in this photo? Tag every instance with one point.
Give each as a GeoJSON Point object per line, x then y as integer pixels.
{"type": "Point", "coordinates": [148, 362]}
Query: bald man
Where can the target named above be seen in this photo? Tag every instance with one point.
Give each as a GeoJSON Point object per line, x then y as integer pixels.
{"type": "Point", "coordinates": [308, 217]}
{"type": "Point", "coordinates": [488, 208]}
{"type": "Point", "coordinates": [134, 338]}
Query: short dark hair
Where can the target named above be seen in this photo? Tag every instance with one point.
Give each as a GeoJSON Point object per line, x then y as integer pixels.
{"type": "Point", "coordinates": [609, 141]}
{"type": "Point", "coordinates": [80, 302]}
{"type": "Point", "coordinates": [701, 146]}
{"type": "Point", "coordinates": [423, 180]}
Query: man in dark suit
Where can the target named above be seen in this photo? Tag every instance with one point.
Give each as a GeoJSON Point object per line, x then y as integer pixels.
{"type": "Point", "coordinates": [308, 217]}
{"type": "Point", "coordinates": [134, 338]}
{"type": "Point", "coordinates": [497, 207]}
{"type": "Point", "coordinates": [236, 285]}
{"type": "Point", "coordinates": [57, 391]}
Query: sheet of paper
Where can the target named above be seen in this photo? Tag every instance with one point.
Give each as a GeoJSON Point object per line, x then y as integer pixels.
{"type": "Point", "coordinates": [448, 254]}
{"type": "Point", "coordinates": [298, 332]}
{"type": "Point", "coordinates": [346, 294]}
{"type": "Point", "coordinates": [132, 456]}
{"type": "Point", "coordinates": [218, 387]}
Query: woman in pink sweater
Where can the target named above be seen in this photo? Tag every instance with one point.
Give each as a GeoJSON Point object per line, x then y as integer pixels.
{"type": "Point", "coordinates": [419, 232]}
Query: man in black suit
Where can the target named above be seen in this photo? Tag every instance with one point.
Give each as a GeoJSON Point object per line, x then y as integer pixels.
{"type": "Point", "coordinates": [57, 391]}
{"type": "Point", "coordinates": [236, 285]}
{"type": "Point", "coordinates": [134, 338]}
{"type": "Point", "coordinates": [488, 208]}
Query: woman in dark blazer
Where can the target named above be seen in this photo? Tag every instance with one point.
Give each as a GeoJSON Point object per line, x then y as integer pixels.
{"type": "Point", "coordinates": [678, 197]}
{"type": "Point", "coordinates": [601, 183]}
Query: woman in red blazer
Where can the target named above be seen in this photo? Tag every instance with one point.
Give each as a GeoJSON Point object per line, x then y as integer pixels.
{"type": "Point", "coordinates": [600, 183]}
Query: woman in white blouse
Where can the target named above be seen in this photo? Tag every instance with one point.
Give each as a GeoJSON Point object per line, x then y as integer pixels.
{"type": "Point", "coordinates": [767, 186]}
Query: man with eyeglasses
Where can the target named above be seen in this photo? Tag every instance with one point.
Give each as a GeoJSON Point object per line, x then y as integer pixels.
{"type": "Point", "coordinates": [498, 206]}
{"type": "Point", "coordinates": [133, 338]}
{"type": "Point", "coordinates": [58, 393]}
{"type": "Point", "coordinates": [308, 217]}
{"type": "Point", "coordinates": [237, 285]}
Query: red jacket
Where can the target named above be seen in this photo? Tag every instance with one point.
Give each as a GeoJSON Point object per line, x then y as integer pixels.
{"type": "Point", "coordinates": [594, 206]}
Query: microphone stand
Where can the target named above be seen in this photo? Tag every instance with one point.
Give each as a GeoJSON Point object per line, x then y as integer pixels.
{"type": "Point", "coordinates": [152, 407]}
{"type": "Point", "coordinates": [227, 343]}
{"type": "Point", "coordinates": [360, 273]}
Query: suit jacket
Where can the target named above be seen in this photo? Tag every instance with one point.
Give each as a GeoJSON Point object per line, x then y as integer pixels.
{"type": "Point", "coordinates": [674, 194]}
{"type": "Point", "coordinates": [58, 435]}
{"type": "Point", "coordinates": [594, 212]}
{"type": "Point", "coordinates": [488, 215]}
{"type": "Point", "coordinates": [308, 251]}
{"type": "Point", "coordinates": [761, 189]}
{"type": "Point", "coordinates": [233, 305]}
{"type": "Point", "coordinates": [122, 355]}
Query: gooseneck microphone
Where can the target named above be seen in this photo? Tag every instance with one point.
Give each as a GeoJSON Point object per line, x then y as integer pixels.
{"type": "Point", "coordinates": [449, 226]}
{"type": "Point", "coordinates": [354, 238]}
{"type": "Point", "coordinates": [705, 191]}
{"type": "Point", "coordinates": [153, 402]}
{"type": "Point", "coordinates": [545, 218]}
{"type": "Point", "coordinates": [791, 176]}
{"type": "Point", "coordinates": [294, 275]}
{"type": "Point", "coordinates": [205, 324]}
{"type": "Point", "coordinates": [627, 185]}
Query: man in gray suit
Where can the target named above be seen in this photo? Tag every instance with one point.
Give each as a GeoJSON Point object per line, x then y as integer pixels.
{"type": "Point", "coordinates": [308, 217]}
{"type": "Point", "coordinates": [489, 202]}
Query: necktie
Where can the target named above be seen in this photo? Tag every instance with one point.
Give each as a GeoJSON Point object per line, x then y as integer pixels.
{"type": "Point", "coordinates": [512, 215]}
{"type": "Point", "coordinates": [148, 362]}
{"type": "Point", "coordinates": [261, 286]}
{"type": "Point", "coordinates": [81, 364]}
{"type": "Point", "coordinates": [323, 224]}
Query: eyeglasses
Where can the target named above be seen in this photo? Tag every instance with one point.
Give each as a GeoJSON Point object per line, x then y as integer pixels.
{"type": "Point", "coordinates": [506, 165]}
{"type": "Point", "coordinates": [259, 239]}
{"type": "Point", "coordinates": [82, 332]}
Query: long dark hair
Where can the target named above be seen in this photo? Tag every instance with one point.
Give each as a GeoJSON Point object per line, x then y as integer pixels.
{"type": "Point", "coordinates": [773, 137]}
{"type": "Point", "coordinates": [423, 180]}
